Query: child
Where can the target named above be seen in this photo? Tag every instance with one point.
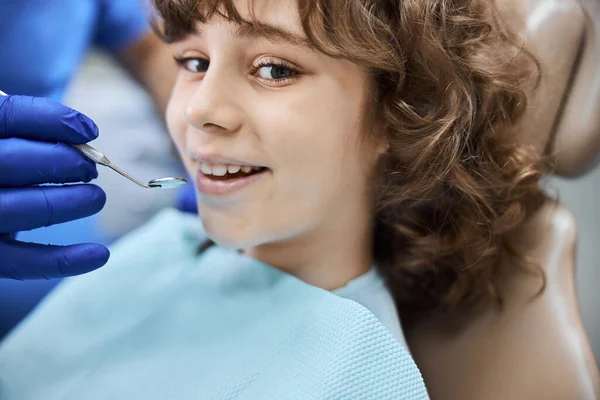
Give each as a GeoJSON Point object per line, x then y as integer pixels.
{"type": "Point", "coordinates": [357, 147]}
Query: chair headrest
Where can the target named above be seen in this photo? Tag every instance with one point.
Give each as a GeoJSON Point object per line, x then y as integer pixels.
{"type": "Point", "coordinates": [563, 117]}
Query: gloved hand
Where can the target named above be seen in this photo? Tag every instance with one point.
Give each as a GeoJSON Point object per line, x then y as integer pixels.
{"type": "Point", "coordinates": [34, 133]}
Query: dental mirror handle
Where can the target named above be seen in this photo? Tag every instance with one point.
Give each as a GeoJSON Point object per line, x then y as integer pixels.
{"type": "Point", "coordinates": [101, 159]}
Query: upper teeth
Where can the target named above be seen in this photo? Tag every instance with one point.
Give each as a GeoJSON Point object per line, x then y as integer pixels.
{"type": "Point", "coordinates": [221, 169]}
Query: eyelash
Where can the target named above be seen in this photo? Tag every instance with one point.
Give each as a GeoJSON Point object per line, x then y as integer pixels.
{"type": "Point", "coordinates": [181, 61]}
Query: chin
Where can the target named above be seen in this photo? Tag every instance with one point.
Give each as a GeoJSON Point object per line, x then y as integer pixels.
{"type": "Point", "coordinates": [229, 230]}
{"type": "Point", "coordinates": [226, 233]}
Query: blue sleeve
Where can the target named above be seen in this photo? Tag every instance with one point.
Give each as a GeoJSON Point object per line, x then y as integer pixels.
{"type": "Point", "coordinates": [120, 23]}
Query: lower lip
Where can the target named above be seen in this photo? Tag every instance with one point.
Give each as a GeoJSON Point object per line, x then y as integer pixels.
{"type": "Point", "coordinates": [213, 187]}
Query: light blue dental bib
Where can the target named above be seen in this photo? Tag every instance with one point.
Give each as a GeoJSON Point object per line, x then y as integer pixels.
{"type": "Point", "coordinates": [159, 322]}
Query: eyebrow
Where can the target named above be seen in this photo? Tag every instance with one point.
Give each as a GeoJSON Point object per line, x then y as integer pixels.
{"type": "Point", "coordinates": [270, 32]}
{"type": "Point", "coordinates": [259, 30]}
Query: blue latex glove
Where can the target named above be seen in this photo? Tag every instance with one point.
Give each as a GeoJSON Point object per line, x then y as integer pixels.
{"type": "Point", "coordinates": [186, 200]}
{"type": "Point", "coordinates": [34, 133]}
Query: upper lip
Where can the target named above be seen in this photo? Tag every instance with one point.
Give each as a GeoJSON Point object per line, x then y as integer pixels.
{"type": "Point", "coordinates": [220, 159]}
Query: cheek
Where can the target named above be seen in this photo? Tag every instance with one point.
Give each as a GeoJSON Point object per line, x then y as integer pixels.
{"type": "Point", "coordinates": [176, 123]}
{"type": "Point", "coordinates": [175, 119]}
{"type": "Point", "coordinates": [312, 142]}
{"type": "Point", "coordinates": [315, 132]}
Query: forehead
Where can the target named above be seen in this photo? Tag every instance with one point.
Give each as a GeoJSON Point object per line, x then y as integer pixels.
{"type": "Point", "coordinates": [276, 20]}
{"type": "Point", "coordinates": [284, 12]}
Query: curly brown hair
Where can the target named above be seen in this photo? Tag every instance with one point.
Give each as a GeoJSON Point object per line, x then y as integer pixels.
{"type": "Point", "coordinates": [448, 84]}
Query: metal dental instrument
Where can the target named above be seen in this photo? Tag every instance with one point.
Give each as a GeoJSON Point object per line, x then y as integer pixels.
{"type": "Point", "coordinates": [99, 158]}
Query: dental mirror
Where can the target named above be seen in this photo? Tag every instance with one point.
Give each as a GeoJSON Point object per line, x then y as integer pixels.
{"type": "Point", "coordinates": [167, 183]}
{"type": "Point", "coordinates": [99, 158]}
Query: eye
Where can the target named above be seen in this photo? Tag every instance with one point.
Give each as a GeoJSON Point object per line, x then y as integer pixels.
{"type": "Point", "coordinates": [276, 71]}
{"type": "Point", "coordinates": [192, 64]}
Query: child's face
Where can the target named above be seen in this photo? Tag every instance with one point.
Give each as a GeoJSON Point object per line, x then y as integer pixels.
{"type": "Point", "coordinates": [238, 100]}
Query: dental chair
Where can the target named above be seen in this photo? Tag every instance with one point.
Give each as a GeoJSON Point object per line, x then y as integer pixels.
{"type": "Point", "coordinates": [536, 348]}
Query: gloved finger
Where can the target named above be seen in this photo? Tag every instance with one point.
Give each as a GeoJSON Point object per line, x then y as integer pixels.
{"type": "Point", "coordinates": [39, 118]}
{"type": "Point", "coordinates": [33, 207]}
{"type": "Point", "coordinates": [27, 162]}
{"type": "Point", "coordinates": [25, 261]}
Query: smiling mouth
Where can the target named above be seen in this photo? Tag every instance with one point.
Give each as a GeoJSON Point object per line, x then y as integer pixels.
{"type": "Point", "coordinates": [230, 172]}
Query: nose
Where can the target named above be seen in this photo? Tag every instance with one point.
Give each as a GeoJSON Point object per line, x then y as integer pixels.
{"type": "Point", "coordinates": [213, 106]}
